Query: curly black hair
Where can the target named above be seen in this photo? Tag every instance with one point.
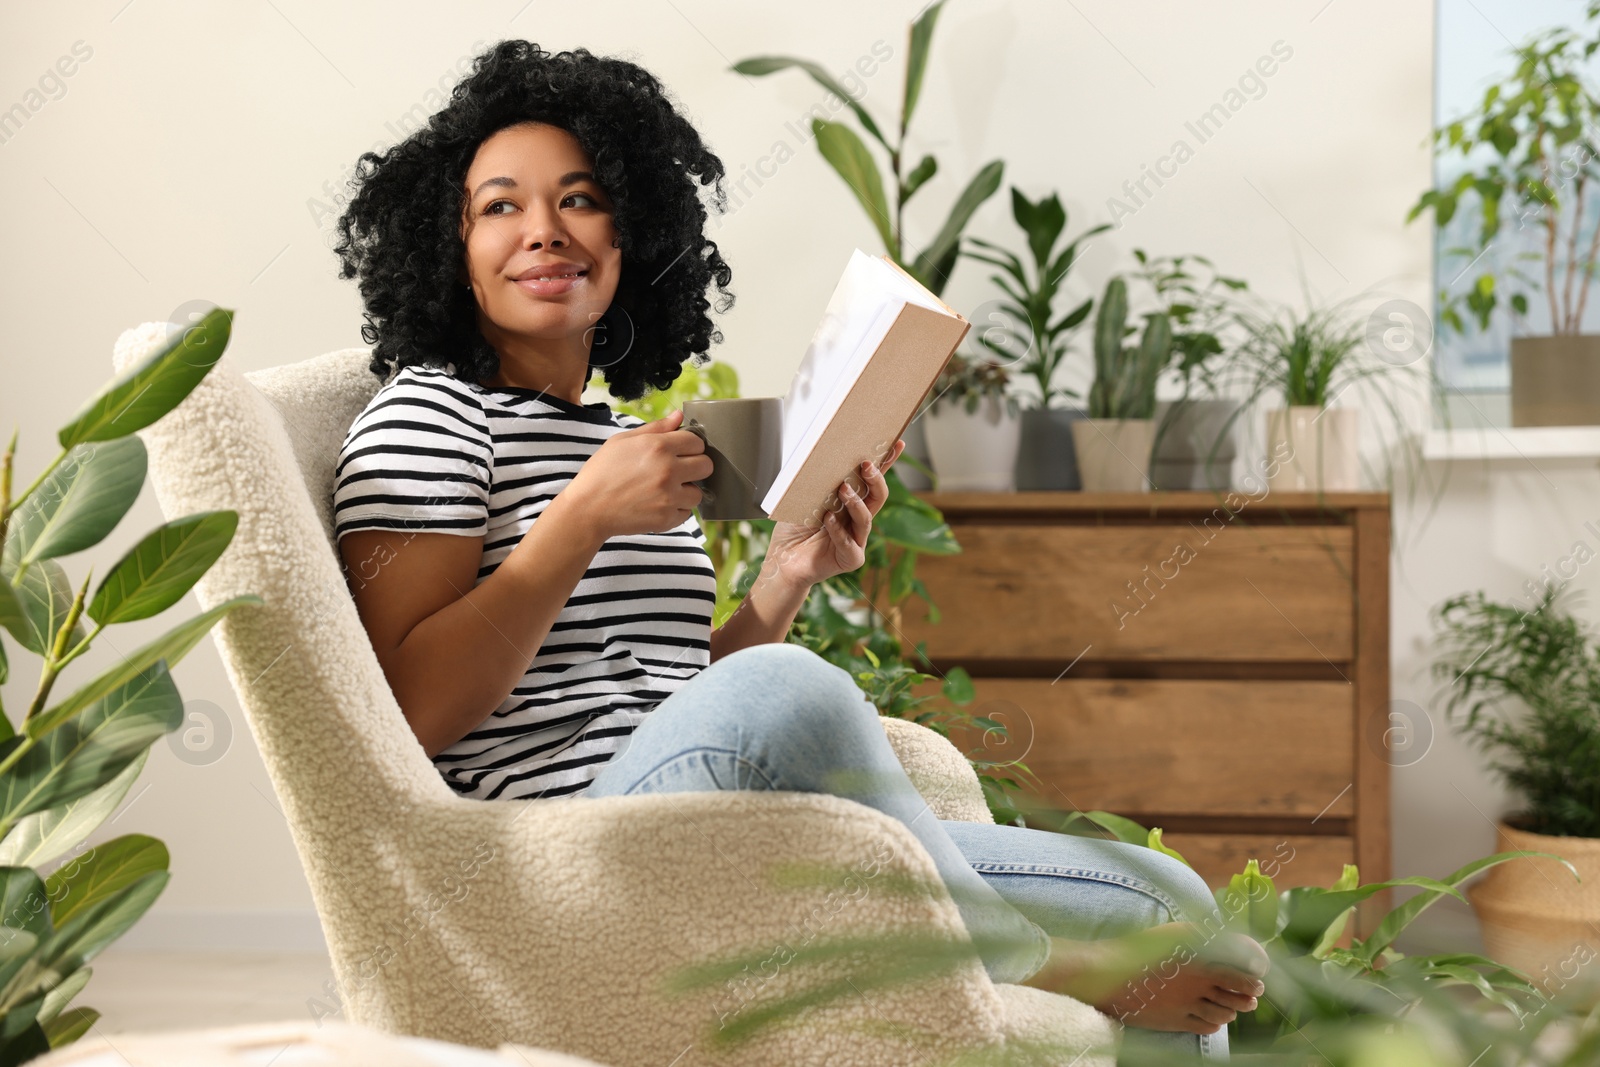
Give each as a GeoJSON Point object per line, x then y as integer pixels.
{"type": "Point", "coordinates": [399, 234]}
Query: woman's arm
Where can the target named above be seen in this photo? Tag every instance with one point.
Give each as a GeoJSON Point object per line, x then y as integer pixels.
{"type": "Point", "coordinates": [764, 616]}
{"type": "Point", "coordinates": [453, 652]}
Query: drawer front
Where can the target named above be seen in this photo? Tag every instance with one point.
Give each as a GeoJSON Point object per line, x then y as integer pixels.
{"type": "Point", "coordinates": [1290, 861]}
{"type": "Point", "coordinates": [1180, 591]}
{"type": "Point", "coordinates": [1254, 748]}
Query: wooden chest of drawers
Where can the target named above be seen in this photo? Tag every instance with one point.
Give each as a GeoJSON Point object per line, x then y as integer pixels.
{"type": "Point", "coordinates": [1212, 664]}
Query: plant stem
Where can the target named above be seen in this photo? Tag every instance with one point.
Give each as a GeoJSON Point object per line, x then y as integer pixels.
{"type": "Point", "coordinates": [5, 484]}
{"type": "Point", "coordinates": [53, 659]}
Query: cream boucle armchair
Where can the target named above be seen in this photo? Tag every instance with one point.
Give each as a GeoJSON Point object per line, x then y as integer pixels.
{"type": "Point", "coordinates": [545, 923]}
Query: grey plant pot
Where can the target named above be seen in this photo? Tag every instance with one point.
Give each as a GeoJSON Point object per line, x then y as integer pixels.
{"type": "Point", "coordinates": [1555, 380]}
{"type": "Point", "coordinates": [1184, 445]}
{"type": "Point", "coordinates": [1047, 458]}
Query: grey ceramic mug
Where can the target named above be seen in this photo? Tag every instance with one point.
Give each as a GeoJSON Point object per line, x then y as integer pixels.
{"type": "Point", "coordinates": [744, 438]}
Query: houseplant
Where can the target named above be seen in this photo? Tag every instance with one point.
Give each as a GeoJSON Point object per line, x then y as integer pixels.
{"type": "Point", "coordinates": [972, 426]}
{"type": "Point", "coordinates": [1194, 446]}
{"type": "Point", "coordinates": [931, 263]}
{"type": "Point", "coordinates": [1531, 140]}
{"type": "Point", "coordinates": [64, 766]}
{"type": "Point", "coordinates": [1522, 681]}
{"type": "Point", "coordinates": [1113, 444]}
{"type": "Point", "coordinates": [1036, 338]}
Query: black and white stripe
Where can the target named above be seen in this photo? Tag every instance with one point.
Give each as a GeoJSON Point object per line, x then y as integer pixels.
{"type": "Point", "coordinates": [434, 453]}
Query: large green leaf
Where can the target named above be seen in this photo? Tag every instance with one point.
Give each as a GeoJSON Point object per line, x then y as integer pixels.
{"type": "Point", "coordinates": [79, 502]}
{"type": "Point", "coordinates": [843, 149]}
{"type": "Point", "coordinates": [11, 614]}
{"type": "Point", "coordinates": [945, 245]}
{"type": "Point", "coordinates": [760, 65]}
{"type": "Point", "coordinates": [82, 937]}
{"type": "Point", "coordinates": [171, 646]}
{"type": "Point", "coordinates": [91, 749]}
{"type": "Point", "coordinates": [112, 865]}
{"type": "Point", "coordinates": [160, 569]}
{"type": "Point", "coordinates": [45, 596]}
{"type": "Point", "coordinates": [39, 838]}
{"type": "Point", "coordinates": [1313, 909]}
{"type": "Point", "coordinates": [917, 60]}
{"type": "Point", "coordinates": [154, 387]}
{"type": "Point", "coordinates": [911, 528]}
{"type": "Point", "coordinates": [67, 1028]}
{"type": "Point", "coordinates": [22, 896]}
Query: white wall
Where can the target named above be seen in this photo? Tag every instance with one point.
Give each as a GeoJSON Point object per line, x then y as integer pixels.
{"type": "Point", "coordinates": [185, 157]}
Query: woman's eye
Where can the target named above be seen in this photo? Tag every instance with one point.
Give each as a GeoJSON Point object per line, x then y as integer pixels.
{"type": "Point", "coordinates": [490, 208]}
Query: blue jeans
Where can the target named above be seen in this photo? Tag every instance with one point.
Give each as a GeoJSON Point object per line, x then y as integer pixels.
{"type": "Point", "coordinates": [778, 716]}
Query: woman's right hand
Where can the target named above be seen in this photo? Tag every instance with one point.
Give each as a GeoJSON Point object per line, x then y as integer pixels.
{"type": "Point", "coordinates": [638, 480]}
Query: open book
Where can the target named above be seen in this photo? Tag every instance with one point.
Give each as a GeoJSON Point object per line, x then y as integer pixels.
{"type": "Point", "coordinates": [880, 345]}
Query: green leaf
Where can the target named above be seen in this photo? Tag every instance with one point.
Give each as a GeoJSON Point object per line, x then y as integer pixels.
{"type": "Point", "coordinates": [901, 576]}
{"type": "Point", "coordinates": [171, 646]}
{"type": "Point", "coordinates": [1312, 909]}
{"type": "Point", "coordinates": [156, 386]}
{"type": "Point", "coordinates": [30, 1041]}
{"type": "Point", "coordinates": [1119, 827]}
{"type": "Point", "coordinates": [67, 1028]}
{"type": "Point", "coordinates": [83, 936]}
{"type": "Point", "coordinates": [957, 686]}
{"type": "Point", "coordinates": [91, 749]}
{"type": "Point", "coordinates": [39, 838]}
{"type": "Point", "coordinates": [160, 569]}
{"type": "Point", "coordinates": [918, 177]}
{"type": "Point", "coordinates": [917, 60]}
{"type": "Point", "coordinates": [915, 529]}
{"type": "Point", "coordinates": [1401, 917]}
{"type": "Point", "coordinates": [55, 1001]}
{"type": "Point", "coordinates": [79, 502]}
{"type": "Point", "coordinates": [762, 65]}
{"type": "Point", "coordinates": [843, 149]}
{"type": "Point", "coordinates": [12, 616]}
{"type": "Point", "coordinates": [1349, 878]}
{"type": "Point", "coordinates": [1252, 901]}
{"type": "Point", "coordinates": [22, 895]}
{"type": "Point", "coordinates": [945, 245]}
{"type": "Point", "coordinates": [45, 597]}
{"type": "Point", "coordinates": [111, 866]}
{"type": "Point", "coordinates": [1154, 841]}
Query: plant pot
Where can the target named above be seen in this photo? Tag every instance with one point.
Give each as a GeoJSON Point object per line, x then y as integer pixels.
{"type": "Point", "coordinates": [1315, 450]}
{"type": "Point", "coordinates": [1047, 458]}
{"type": "Point", "coordinates": [976, 452]}
{"type": "Point", "coordinates": [1114, 454]}
{"type": "Point", "coordinates": [917, 447]}
{"type": "Point", "coordinates": [1555, 380]}
{"type": "Point", "coordinates": [1186, 433]}
{"type": "Point", "coordinates": [1539, 919]}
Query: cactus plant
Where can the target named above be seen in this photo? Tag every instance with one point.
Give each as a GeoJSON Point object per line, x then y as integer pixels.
{"type": "Point", "coordinates": [1125, 377]}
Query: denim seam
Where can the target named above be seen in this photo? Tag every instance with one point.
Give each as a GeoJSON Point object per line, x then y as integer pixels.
{"type": "Point", "coordinates": [1088, 875]}
{"type": "Point", "coordinates": [699, 751]}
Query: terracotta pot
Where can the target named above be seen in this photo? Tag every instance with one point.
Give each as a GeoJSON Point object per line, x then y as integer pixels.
{"type": "Point", "coordinates": [1539, 919]}
{"type": "Point", "coordinates": [1555, 380]}
{"type": "Point", "coordinates": [1047, 458]}
{"type": "Point", "coordinates": [974, 452]}
{"type": "Point", "coordinates": [1114, 454]}
{"type": "Point", "coordinates": [1317, 449]}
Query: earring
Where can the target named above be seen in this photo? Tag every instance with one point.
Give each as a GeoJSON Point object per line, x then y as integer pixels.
{"type": "Point", "coordinates": [617, 243]}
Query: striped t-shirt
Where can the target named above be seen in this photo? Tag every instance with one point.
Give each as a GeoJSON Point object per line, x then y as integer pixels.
{"type": "Point", "coordinates": [434, 453]}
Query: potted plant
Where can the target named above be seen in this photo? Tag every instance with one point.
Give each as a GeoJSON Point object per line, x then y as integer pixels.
{"type": "Point", "coordinates": [70, 758]}
{"type": "Point", "coordinates": [1194, 446]}
{"type": "Point", "coordinates": [972, 426]}
{"type": "Point", "coordinates": [933, 260]}
{"type": "Point", "coordinates": [1113, 444]}
{"type": "Point", "coordinates": [1531, 139]}
{"type": "Point", "coordinates": [1036, 338]}
{"type": "Point", "coordinates": [1522, 681]}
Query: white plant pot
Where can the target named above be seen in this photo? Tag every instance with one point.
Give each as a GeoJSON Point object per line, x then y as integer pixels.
{"type": "Point", "coordinates": [1114, 454]}
{"type": "Point", "coordinates": [1315, 450]}
{"type": "Point", "coordinates": [976, 452]}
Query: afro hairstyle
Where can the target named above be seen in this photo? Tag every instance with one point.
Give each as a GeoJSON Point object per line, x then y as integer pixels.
{"type": "Point", "coordinates": [399, 233]}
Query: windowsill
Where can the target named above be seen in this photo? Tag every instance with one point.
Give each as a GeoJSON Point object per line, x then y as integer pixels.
{"type": "Point", "coordinates": [1512, 443]}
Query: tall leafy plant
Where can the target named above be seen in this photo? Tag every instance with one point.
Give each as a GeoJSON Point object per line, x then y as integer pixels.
{"type": "Point", "coordinates": [1125, 375]}
{"type": "Point", "coordinates": [1031, 294]}
{"type": "Point", "coordinates": [849, 155]}
{"type": "Point", "coordinates": [68, 761]}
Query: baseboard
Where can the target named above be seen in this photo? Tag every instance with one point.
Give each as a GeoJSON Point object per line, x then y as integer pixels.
{"type": "Point", "coordinates": [225, 931]}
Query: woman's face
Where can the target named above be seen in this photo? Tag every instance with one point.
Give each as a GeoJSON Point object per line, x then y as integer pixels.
{"type": "Point", "coordinates": [534, 206]}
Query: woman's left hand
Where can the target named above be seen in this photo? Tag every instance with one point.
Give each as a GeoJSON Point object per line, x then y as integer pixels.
{"type": "Point", "coordinates": [805, 555]}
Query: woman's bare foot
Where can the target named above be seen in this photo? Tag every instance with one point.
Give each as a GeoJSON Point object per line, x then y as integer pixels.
{"type": "Point", "coordinates": [1167, 977]}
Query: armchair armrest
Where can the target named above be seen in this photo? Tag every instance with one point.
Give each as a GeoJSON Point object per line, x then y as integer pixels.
{"type": "Point", "coordinates": [943, 776]}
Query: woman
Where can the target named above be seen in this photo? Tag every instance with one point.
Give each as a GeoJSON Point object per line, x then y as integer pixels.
{"type": "Point", "coordinates": [539, 594]}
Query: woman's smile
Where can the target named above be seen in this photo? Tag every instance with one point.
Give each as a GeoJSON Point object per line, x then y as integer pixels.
{"type": "Point", "coordinates": [553, 285]}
